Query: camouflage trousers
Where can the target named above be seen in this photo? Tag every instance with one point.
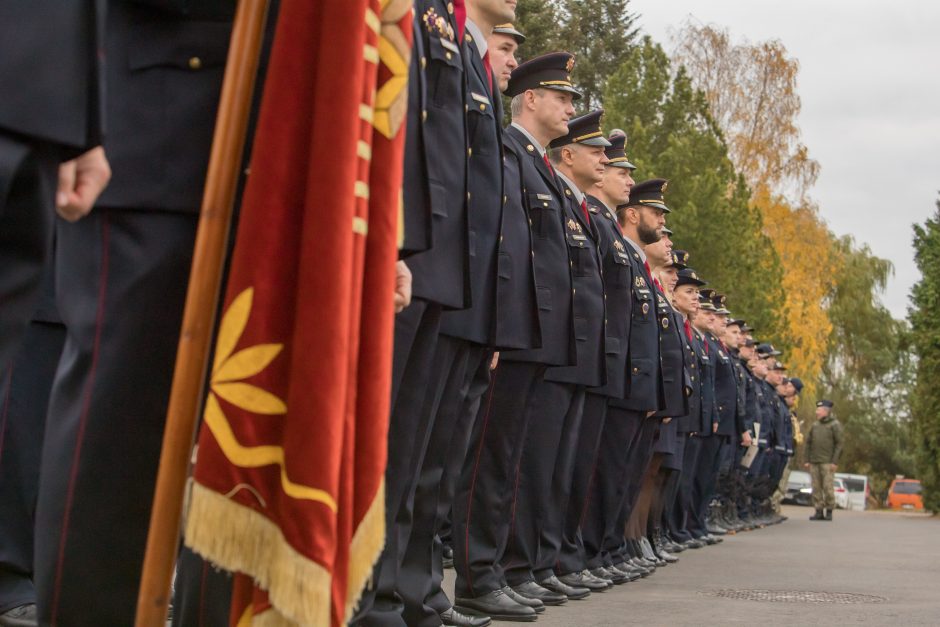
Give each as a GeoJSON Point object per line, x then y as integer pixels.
{"type": "Point", "coordinates": [824, 495]}
{"type": "Point", "coordinates": [781, 490]}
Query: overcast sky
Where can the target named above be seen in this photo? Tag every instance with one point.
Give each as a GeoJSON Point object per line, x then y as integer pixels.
{"type": "Point", "coordinates": [870, 85]}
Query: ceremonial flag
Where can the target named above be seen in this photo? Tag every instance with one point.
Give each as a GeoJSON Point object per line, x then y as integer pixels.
{"type": "Point", "coordinates": [288, 482]}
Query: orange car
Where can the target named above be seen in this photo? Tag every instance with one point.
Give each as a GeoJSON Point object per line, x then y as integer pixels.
{"type": "Point", "coordinates": [905, 494]}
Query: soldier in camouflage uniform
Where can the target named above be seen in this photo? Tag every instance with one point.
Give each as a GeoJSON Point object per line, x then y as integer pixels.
{"type": "Point", "coordinates": [823, 447]}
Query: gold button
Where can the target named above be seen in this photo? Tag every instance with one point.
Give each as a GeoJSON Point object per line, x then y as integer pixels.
{"type": "Point", "coordinates": [482, 107]}
{"type": "Point", "coordinates": [468, 195]}
{"type": "Point", "coordinates": [530, 147]}
{"type": "Point", "coordinates": [448, 56]}
{"type": "Point", "coordinates": [195, 63]}
{"type": "Point", "coordinates": [469, 152]}
{"type": "Point", "coordinates": [500, 239]}
{"type": "Point", "coordinates": [574, 291]}
{"type": "Point", "coordinates": [424, 115]}
{"type": "Point", "coordinates": [468, 37]}
{"type": "Point", "coordinates": [424, 62]}
{"type": "Point", "coordinates": [450, 8]}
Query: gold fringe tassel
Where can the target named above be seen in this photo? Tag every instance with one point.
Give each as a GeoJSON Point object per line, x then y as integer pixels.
{"type": "Point", "coordinates": [364, 549]}
{"type": "Point", "coordinates": [240, 539]}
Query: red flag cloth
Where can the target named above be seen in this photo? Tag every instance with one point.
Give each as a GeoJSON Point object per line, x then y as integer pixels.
{"type": "Point", "coordinates": [288, 483]}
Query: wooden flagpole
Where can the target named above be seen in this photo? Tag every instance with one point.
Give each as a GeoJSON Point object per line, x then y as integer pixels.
{"type": "Point", "coordinates": [202, 296]}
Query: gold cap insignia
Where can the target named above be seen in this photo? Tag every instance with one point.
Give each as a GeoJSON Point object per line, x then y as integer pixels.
{"type": "Point", "coordinates": [569, 66]}
{"type": "Point", "coordinates": [663, 190]}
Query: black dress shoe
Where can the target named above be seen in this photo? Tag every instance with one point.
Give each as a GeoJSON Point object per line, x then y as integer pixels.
{"type": "Point", "coordinates": [455, 618]}
{"type": "Point", "coordinates": [448, 557]}
{"type": "Point", "coordinates": [573, 593]}
{"type": "Point", "coordinates": [534, 593]}
{"type": "Point", "coordinates": [20, 616]}
{"type": "Point", "coordinates": [496, 604]}
{"type": "Point", "coordinates": [610, 574]}
{"type": "Point", "coordinates": [585, 579]}
{"type": "Point", "coordinates": [535, 604]}
{"type": "Point", "coordinates": [631, 570]}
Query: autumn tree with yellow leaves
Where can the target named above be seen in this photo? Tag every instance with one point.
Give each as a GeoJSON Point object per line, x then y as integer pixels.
{"type": "Point", "coordinates": [751, 89]}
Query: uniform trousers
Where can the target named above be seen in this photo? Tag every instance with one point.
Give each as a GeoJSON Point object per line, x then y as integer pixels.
{"type": "Point", "coordinates": [703, 487]}
{"type": "Point", "coordinates": [682, 516]}
{"type": "Point", "coordinates": [640, 454]}
{"type": "Point", "coordinates": [437, 598]}
{"type": "Point", "coordinates": [606, 491]}
{"type": "Point", "coordinates": [202, 594]}
{"type": "Point", "coordinates": [422, 568]}
{"type": "Point", "coordinates": [824, 496]}
{"type": "Point", "coordinates": [572, 557]}
{"type": "Point", "coordinates": [28, 177]}
{"type": "Point", "coordinates": [121, 278]}
{"type": "Point", "coordinates": [419, 376]}
{"type": "Point", "coordinates": [483, 502]}
{"type": "Point", "coordinates": [543, 483]}
{"type": "Point", "coordinates": [24, 397]}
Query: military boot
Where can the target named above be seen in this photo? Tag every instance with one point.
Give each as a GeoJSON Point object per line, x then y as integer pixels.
{"type": "Point", "coordinates": [828, 514]}
{"type": "Point", "coordinates": [818, 515]}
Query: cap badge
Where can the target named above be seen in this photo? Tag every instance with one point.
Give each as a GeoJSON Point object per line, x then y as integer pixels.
{"type": "Point", "coordinates": [663, 190]}
{"type": "Point", "coordinates": [570, 65]}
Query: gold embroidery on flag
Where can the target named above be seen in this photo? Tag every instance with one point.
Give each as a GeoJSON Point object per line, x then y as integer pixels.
{"type": "Point", "coordinates": [229, 371]}
{"type": "Point", "coordinates": [395, 53]}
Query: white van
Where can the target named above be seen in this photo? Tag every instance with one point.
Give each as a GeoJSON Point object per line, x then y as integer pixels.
{"type": "Point", "coordinates": [858, 489]}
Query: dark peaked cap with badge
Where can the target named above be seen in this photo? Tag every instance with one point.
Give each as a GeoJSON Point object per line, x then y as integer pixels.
{"type": "Point", "coordinates": [649, 194]}
{"type": "Point", "coordinates": [824, 403]}
{"type": "Point", "coordinates": [549, 71]}
{"type": "Point", "coordinates": [680, 259]}
{"type": "Point", "coordinates": [616, 152]}
{"type": "Point", "coordinates": [688, 276]}
{"type": "Point", "coordinates": [584, 129]}
{"type": "Point", "coordinates": [509, 29]}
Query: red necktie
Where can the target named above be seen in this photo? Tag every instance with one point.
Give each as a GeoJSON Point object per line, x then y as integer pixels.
{"type": "Point", "coordinates": [649, 273]}
{"type": "Point", "coordinates": [489, 72]}
{"type": "Point", "coordinates": [584, 209]}
{"type": "Point", "coordinates": [688, 330]}
{"type": "Point", "coordinates": [460, 17]}
{"type": "Point", "coordinates": [548, 164]}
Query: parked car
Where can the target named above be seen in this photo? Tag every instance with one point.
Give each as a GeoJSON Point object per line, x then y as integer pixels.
{"type": "Point", "coordinates": [841, 492]}
{"type": "Point", "coordinates": [859, 490]}
{"type": "Point", "coordinates": [905, 494]}
{"type": "Point", "coordinates": [799, 488]}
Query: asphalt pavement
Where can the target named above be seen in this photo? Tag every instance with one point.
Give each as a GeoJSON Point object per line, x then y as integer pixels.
{"type": "Point", "coordinates": [863, 568]}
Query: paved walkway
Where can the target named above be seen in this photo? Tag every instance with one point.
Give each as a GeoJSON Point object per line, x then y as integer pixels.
{"type": "Point", "coordinates": [894, 557]}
